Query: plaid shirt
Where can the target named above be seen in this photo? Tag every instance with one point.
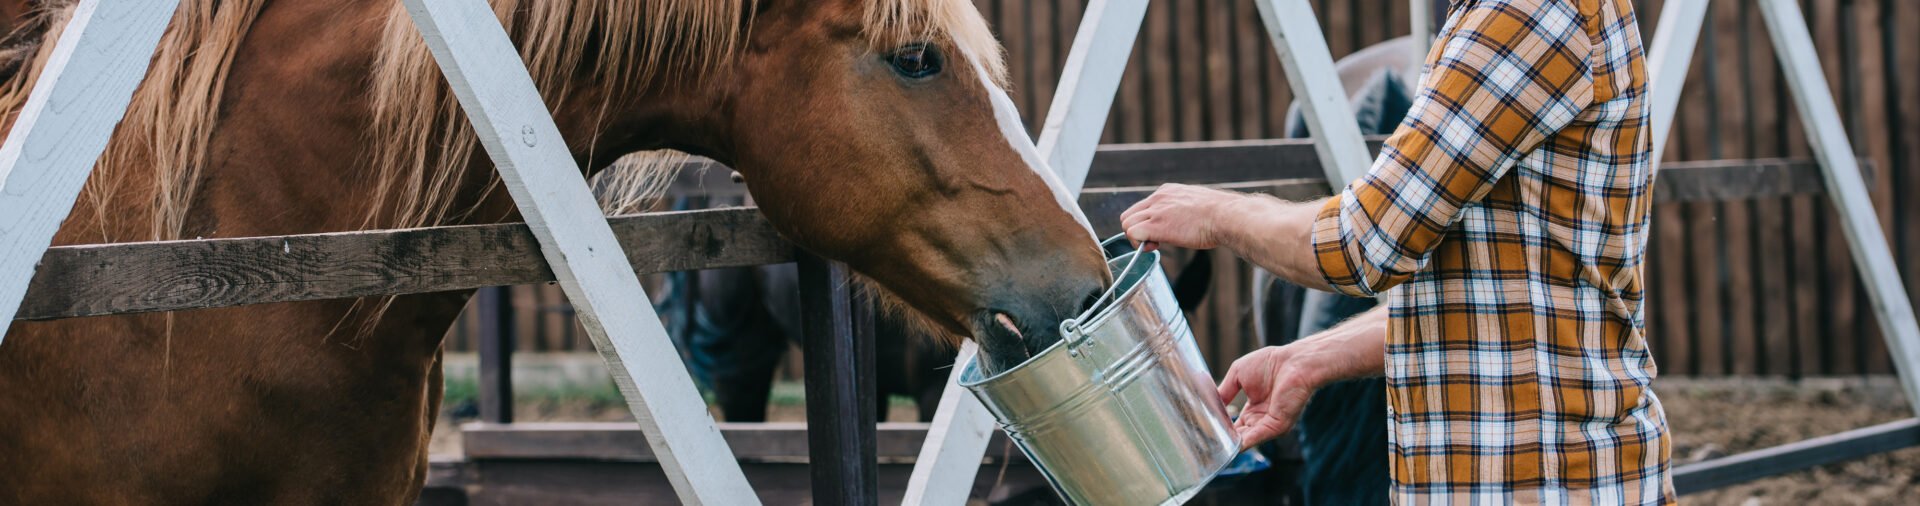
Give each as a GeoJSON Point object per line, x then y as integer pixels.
{"type": "Point", "coordinates": [1506, 221]}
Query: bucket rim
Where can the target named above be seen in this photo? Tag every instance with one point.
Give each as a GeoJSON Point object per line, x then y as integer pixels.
{"type": "Point", "coordinates": [972, 367]}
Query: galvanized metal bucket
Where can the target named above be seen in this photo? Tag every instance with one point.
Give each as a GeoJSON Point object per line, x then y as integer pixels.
{"type": "Point", "coordinates": [1122, 410]}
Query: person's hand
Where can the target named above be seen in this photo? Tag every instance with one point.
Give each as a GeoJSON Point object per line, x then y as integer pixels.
{"type": "Point", "coordinates": [1278, 380]}
{"type": "Point", "coordinates": [1179, 215]}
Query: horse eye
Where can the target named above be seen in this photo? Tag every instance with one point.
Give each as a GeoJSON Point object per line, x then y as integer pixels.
{"type": "Point", "coordinates": [916, 61]}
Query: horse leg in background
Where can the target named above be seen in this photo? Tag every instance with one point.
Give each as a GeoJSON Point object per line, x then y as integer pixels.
{"type": "Point", "coordinates": [732, 342]}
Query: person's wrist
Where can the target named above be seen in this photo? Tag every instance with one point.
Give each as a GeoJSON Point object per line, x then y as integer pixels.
{"type": "Point", "coordinates": [1228, 218]}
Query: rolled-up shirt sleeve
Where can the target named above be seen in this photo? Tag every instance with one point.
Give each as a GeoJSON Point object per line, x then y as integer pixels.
{"type": "Point", "coordinates": [1505, 80]}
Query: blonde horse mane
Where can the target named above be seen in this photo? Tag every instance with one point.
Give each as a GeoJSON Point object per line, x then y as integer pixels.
{"type": "Point", "coordinates": [420, 142]}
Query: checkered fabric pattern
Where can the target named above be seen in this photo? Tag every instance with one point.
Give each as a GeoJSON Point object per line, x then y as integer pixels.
{"type": "Point", "coordinates": [1506, 221]}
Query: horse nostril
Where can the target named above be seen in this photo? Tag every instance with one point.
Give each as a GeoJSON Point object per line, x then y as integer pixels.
{"type": "Point", "coordinates": [1007, 322]}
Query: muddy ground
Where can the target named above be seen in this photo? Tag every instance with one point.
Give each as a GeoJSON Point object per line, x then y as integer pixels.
{"type": "Point", "coordinates": [1710, 418]}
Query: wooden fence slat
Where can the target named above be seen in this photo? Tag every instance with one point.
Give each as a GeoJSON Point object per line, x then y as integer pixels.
{"type": "Point", "coordinates": [1668, 300]}
{"type": "Point", "coordinates": [1703, 309]}
{"type": "Point", "coordinates": [1772, 249]}
{"type": "Point", "coordinates": [1160, 99]}
{"type": "Point", "coordinates": [1217, 28]}
{"type": "Point", "coordinates": [171, 275]}
{"type": "Point", "coordinates": [839, 386]}
{"type": "Point", "coordinates": [1189, 63]}
{"type": "Point", "coordinates": [496, 354]}
{"type": "Point", "coordinates": [1736, 234]}
{"type": "Point", "coordinates": [1249, 106]}
{"type": "Point", "coordinates": [1903, 52]}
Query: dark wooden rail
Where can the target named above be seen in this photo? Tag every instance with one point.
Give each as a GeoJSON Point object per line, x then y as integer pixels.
{"type": "Point", "coordinates": [1745, 467]}
{"type": "Point", "coordinates": [104, 279]}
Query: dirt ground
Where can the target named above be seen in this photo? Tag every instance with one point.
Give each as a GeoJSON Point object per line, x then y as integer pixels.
{"type": "Point", "coordinates": [1710, 418]}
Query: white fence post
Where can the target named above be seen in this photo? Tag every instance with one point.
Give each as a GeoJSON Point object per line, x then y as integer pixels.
{"type": "Point", "coordinates": [1323, 101]}
{"type": "Point", "coordinates": [1794, 46]}
{"type": "Point", "coordinates": [501, 100]}
{"type": "Point", "coordinates": [1667, 63]}
{"type": "Point", "coordinates": [1088, 80]}
{"type": "Point", "coordinates": [81, 95]}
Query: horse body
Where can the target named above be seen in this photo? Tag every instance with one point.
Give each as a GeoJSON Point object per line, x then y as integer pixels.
{"type": "Point", "coordinates": [332, 402]}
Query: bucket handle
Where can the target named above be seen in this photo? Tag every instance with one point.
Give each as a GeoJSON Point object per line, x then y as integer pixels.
{"type": "Point", "coordinates": [1071, 327]}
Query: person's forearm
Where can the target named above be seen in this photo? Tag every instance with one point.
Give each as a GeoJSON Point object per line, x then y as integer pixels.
{"type": "Point", "coordinates": [1276, 235]}
{"type": "Point", "coordinates": [1356, 348]}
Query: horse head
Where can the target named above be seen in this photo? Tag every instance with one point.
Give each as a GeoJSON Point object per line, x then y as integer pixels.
{"type": "Point", "coordinates": [876, 133]}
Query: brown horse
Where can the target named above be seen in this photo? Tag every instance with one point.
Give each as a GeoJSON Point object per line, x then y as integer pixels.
{"type": "Point", "coordinates": [869, 131]}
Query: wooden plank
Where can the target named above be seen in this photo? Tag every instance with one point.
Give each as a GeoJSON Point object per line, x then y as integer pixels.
{"type": "Point", "coordinates": [1809, 337]}
{"type": "Point", "coordinates": [782, 442]}
{"type": "Point", "coordinates": [1043, 64]}
{"type": "Point", "coordinates": [1772, 241]}
{"type": "Point", "coordinates": [1724, 180]}
{"type": "Point", "coordinates": [535, 165]}
{"type": "Point", "coordinates": [100, 279]}
{"type": "Point", "coordinates": [1847, 192]}
{"type": "Point", "coordinates": [1159, 99]}
{"type": "Point", "coordinates": [1731, 470]}
{"type": "Point", "coordinates": [1825, 23]}
{"type": "Point", "coordinates": [1902, 51]}
{"type": "Point", "coordinates": [1249, 91]}
{"type": "Point", "coordinates": [1209, 162]}
{"type": "Point", "coordinates": [495, 307]}
{"type": "Point", "coordinates": [1323, 101]}
{"type": "Point", "coordinates": [1735, 227]}
{"type": "Point", "coordinates": [1873, 107]}
{"type": "Point", "coordinates": [840, 389]}
{"type": "Point", "coordinates": [1189, 81]}
{"type": "Point", "coordinates": [81, 93]}
{"type": "Point", "coordinates": [1218, 77]}
{"type": "Point", "coordinates": [1088, 82]}
{"type": "Point", "coordinates": [1104, 205]}
{"type": "Point", "coordinates": [1703, 269]}
{"type": "Point", "coordinates": [1667, 250]}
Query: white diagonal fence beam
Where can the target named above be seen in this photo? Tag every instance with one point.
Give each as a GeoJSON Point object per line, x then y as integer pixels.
{"type": "Point", "coordinates": [1672, 54]}
{"type": "Point", "coordinates": [949, 458]}
{"type": "Point", "coordinates": [82, 92]}
{"type": "Point", "coordinates": [1794, 47]}
{"type": "Point", "coordinates": [498, 96]}
{"type": "Point", "coordinates": [1088, 81]}
{"type": "Point", "coordinates": [1420, 21]}
{"type": "Point", "coordinates": [1316, 85]}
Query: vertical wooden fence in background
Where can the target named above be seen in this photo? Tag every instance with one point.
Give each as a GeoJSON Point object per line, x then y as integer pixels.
{"type": "Point", "coordinates": [1760, 286]}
